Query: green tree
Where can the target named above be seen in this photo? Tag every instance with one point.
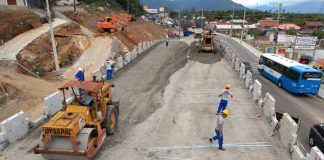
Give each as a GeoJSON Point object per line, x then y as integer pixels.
{"type": "Point", "coordinates": [318, 33]}
{"type": "Point", "coordinates": [254, 31]}
{"type": "Point", "coordinates": [291, 32]}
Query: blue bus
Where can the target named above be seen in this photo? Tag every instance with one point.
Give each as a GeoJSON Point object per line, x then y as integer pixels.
{"type": "Point", "coordinates": [290, 75]}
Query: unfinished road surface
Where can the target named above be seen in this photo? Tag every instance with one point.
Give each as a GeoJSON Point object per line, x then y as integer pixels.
{"type": "Point", "coordinates": [168, 112]}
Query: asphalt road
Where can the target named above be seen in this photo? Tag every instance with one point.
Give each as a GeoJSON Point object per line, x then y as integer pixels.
{"type": "Point", "coordinates": [309, 108]}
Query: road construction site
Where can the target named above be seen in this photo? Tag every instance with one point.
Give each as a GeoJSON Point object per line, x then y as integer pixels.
{"type": "Point", "coordinates": [168, 99]}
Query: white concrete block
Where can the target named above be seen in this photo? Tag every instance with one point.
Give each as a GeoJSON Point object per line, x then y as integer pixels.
{"type": "Point", "coordinates": [237, 65]}
{"type": "Point", "coordinates": [14, 127]}
{"type": "Point", "coordinates": [119, 63]}
{"type": "Point", "coordinates": [248, 79]}
{"type": "Point", "coordinates": [269, 107]}
{"type": "Point", "coordinates": [288, 131]}
{"type": "Point", "coordinates": [242, 70]}
{"type": "Point", "coordinates": [144, 46]}
{"type": "Point", "coordinates": [297, 154]}
{"type": "Point", "coordinates": [233, 58]}
{"type": "Point", "coordinates": [256, 90]}
{"type": "Point", "coordinates": [128, 58]}
{"type": "Point", "coordinates": [315, 154]}
{"type": "Point", "coordinates": [52, 104]}
{"type": "Point", "coordinates": [274, 122]}
{"type": "Point", "coordinates": [140, 48]}
{"type": "Point", "coordinates": [134, 54]}
{"type": "Point", "coordinates": [148, 45]}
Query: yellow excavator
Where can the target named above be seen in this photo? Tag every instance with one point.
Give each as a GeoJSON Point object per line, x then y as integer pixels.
{"type": "Point", "coordinates": [79, 131]}
{"type": "Point", "coordinates": [208, 43]}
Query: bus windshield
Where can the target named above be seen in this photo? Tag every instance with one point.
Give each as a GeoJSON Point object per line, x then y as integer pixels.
{"type": "Point", "coordinates": [309, 75]}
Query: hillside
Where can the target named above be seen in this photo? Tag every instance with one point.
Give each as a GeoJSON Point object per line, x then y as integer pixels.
{"type": "Point", "coordinates": [189, 4]}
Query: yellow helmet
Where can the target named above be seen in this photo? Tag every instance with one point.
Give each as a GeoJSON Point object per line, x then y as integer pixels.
{"type": "Point", "coordinates": [228, 86]}
{"type": "Point", "coordinates": [226, 112]}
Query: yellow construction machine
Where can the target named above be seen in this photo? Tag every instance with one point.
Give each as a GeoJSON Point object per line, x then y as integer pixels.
{"type": "Point", "coordinates": [79, 131]}
{"type": "Point", "coordinates": [208, 43]}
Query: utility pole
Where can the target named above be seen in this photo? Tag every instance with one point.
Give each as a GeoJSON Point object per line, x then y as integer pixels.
{"type": "Point", "coordinates": [74, 8]}
{"type": "Point", "coordinates": [275, 36]}
{"type": "Point", "coordinates": [179, 24]}
{"type": "Point", "coordinates": [243, 26]}
{"type": "Point", "coordinates": [202, 19]}
{"type": "Point", "coordinates": [128, 6]}
{"type": "Point", "coordinates": [57, 67]}
{"type": "Point", "coordinates": [232, 23]}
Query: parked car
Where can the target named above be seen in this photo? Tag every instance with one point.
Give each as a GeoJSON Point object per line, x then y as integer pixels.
{"type": "Point", "coordinates": [248, 67]}
{"type": "Point", "coordinates": [305, 59]}
{"type": "Point", "coordinates": [316, 136]}
{"type": "Point", "coordinates": [197, 35]}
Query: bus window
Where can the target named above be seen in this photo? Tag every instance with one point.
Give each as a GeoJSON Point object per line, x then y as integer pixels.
{"type": "Point", "coordinates": [311, 75]}
{"type": "Point", "coordinates": [261, 60]}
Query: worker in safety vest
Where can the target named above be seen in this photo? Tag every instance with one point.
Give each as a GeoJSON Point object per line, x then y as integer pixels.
{"type": "Point", "coordinates": [226, 93]}
{"type": "Point", "coordinates": [219, 129]}
{"type": "Point", "coordinates": [80, 74]}
{"type": "Point", "coordinates": [109, 71]}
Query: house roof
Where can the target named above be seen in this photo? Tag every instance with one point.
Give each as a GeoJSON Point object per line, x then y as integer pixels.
{"type": "Point", "coordinates": [224, 26]}
{"type": "Point", "coordinates": [289, 26]}
{"type": "Point", "coordinates": [314, 23]}
{"type": "Point", "coordinates": [268, 23]}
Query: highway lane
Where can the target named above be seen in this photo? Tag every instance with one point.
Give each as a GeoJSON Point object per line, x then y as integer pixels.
{"type": "Point", "coordinates": [309, 108]}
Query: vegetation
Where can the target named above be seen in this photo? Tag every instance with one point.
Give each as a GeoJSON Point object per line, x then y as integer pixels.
{"type": "Point", "coordinates": [318, 33]}
{"type": "Point", "coordinates": [291, 32]}
{"type": "Point", "coordinates": [254, 16]}
{"type": "Point", "coordinates": [255, 32]}
{"type": "Point", "coordinates": [134, 6]}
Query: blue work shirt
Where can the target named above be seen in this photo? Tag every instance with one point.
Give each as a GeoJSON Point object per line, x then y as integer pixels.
{"type": "Point", "coordinates": [80, 75]}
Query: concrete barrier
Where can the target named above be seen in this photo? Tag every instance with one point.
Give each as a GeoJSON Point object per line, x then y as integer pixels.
{"type": "Point", "coordinates": [128, 58]}
{"type": "Point", "coordinates": [144, 46]}
{"type": "Point", "coordinates": [237, 65]}
{"type": "Point", "coordinates": [288, 132]}
{"type": "Point", "coordinates": [13, 128]}
{"type": "Point", "coordinates": [52, 104]}
{"type": "Point", "coordinates": [297, 154]}
{"type": "Point", "coordinates": [242, 70]}
{"type": "Point", "coordinates": [140, 48]}
{"type": "Point", "coordinates": [148, 45]}
{"type": "Point", "coordinates": [248, 79]}
{"type": "Point", "coordinates": [269, 107]}
{"type": "Point", "coordinates": [119, 64]}
{"type": "Point", "coordinates": [233, 57]}
{"type": "Point", "coordinates": [134, 54]}
{"type": "Point", "coordinates": [315, 154]}
{"type": "Point", "coordinates": [256, 90]}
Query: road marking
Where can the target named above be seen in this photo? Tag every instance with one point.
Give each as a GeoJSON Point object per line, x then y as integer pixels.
{"type": "Point", "coordinates": [231, 145]}
{"type": "Point", "coordinates": [214, 115]}
{"type": "Point", "coordinates": [173, 158]}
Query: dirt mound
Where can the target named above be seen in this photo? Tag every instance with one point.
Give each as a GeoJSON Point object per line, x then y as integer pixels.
{"type": "Point", "coordinates": [38, 55]}
{"type": "Point", "coordinates": [25, 93]}
{"type": "Point", "coordinates": [16, 20]}
{"type": "Point", "coordinates": [137, 32]}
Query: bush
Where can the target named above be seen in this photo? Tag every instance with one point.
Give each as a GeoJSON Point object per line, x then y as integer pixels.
{"type": "Point", "coordinates": [39, 71]}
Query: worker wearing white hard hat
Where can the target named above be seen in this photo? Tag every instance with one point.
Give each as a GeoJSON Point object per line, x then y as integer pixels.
{"type": "Point", "coordinates": [80, 74]}
{"type": "Point", "coordinates": [226, 93]}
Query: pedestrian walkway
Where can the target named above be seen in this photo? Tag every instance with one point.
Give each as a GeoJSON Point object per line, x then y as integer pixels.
{"type": "Point", "coordinates": [10, 49]}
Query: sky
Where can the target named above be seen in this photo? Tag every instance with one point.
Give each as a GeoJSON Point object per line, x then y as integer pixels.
{"type": "Point", "coordinates": [253, 3]}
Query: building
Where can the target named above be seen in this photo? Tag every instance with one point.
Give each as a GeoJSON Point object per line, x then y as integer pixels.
{"type": "Point", "coordinates": [267, 23]}
{"type": "Point", "coordinates": [14, 2]}
{"type": "Point", "coordinates": [313, 25]}
{"type": "Point", "coordinates": [226, 28]}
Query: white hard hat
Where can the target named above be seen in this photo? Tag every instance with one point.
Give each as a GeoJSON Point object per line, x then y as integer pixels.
{"type": "Point", "coordinates": [80, 69]}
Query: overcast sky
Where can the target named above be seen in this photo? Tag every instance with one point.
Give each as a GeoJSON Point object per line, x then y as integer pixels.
{"type": "Point", "coordinates": [252, 3]}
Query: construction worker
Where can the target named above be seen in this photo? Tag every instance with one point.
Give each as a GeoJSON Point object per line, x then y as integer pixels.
{"type": "Point", "coordinates": [109, 71]}
{"type": "Point", "coordinates": [80, 74]}
{"type": "Point", "coordinates": [219, 129]}
{"type": "Point", "coordinates": [226, 93]}
{"type": "Point", "coordinates": [166, 40]}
